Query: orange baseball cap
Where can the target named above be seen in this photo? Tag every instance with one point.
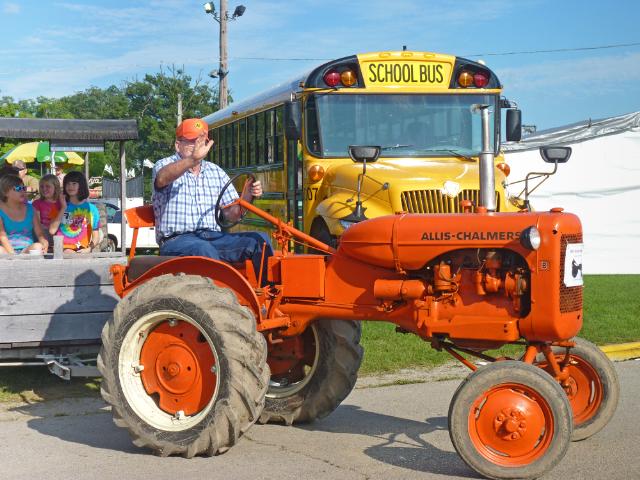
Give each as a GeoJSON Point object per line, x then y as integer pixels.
{"type": "Point", "coordinates": [192, 128]}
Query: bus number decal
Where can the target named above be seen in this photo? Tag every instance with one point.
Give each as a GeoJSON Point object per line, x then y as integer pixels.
{"type": "Point", "coordinates": [311, 193]}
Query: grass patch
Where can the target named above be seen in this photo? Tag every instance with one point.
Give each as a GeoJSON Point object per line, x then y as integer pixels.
{"type": "Point", "coordinates": [611, 309]}
{"type": "Point", "coordinates": [387, 351]}
{"type": "Point", "coordinates": [36, 384]}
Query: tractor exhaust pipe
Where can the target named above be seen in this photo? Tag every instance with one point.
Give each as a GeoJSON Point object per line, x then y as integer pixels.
{"type": "Point", "coordinates": [486, 167]}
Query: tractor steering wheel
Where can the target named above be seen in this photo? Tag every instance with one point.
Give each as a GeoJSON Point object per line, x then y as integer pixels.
{"type": "Point", "coordinates": [218, 213]}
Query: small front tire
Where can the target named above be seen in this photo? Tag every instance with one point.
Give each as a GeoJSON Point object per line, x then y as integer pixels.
{"type": "Point", "coordinates": [510, 420]}
{"type": "Point", "coordinates": [593, 388]}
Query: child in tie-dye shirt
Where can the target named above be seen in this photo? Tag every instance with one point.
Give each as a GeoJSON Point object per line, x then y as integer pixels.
{"type": "Point", "coordinates": [78, 222]}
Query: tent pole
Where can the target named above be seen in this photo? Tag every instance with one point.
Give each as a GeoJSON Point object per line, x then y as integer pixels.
{"type": "Point", "coordinates": [86, 165]}
{"type": "Point", "coordinates": [123, 199]}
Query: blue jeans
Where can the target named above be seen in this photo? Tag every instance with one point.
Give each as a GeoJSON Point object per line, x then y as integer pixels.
{"type": "Point", "coordinates": [228, 247]}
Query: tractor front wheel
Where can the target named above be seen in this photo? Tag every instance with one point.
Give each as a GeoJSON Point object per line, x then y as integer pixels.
{"type": "Point", "coordinates": [313, 373]}
{"type": "Point", "coordinates": [592, 387]}
{"type": "Point", "coordinates": [183, 366]}
{"type": "Point", "coordinates": [510, 420]}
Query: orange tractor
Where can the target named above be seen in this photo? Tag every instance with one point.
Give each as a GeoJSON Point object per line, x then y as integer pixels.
{"type": "Point", "coordinates": [197, 350]}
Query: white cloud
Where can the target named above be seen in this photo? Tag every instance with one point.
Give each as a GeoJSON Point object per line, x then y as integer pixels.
{"type": "Point", "coordinates": [598, 74]}
{"type": "Point", "coordinates": [11, 8]}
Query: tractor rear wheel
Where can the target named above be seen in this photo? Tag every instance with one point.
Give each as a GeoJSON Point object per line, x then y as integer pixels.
{"type": "Point", "coordinates": [313, 373]}
{"type": "Point", "coordinates": [510, 420]}
{"type": "Point", "coordinates": [592, 387]}
{"type": "Point", "coordinates": [183, 366]}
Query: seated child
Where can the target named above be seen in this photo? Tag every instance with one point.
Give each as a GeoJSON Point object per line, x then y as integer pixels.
{"type": "Point", "coordinates": [19, 227]}
{"type": "Point", "coordinates": [48, 206]}
{"type": "Point", "coordinates": [78, 220]}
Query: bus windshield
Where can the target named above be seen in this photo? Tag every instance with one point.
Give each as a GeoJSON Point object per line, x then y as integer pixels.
{"type": "Point", "coordinates": [403, 125]}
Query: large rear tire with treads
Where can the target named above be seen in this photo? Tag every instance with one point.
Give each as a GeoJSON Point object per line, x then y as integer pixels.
{"type": "Point", "coordinates": [313, 386]}
{"type": "Point", "coordinates": [183, 366]}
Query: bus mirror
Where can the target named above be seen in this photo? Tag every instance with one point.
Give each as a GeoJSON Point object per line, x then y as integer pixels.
{"type": "Point", "coordinates": [292, 120]}
{"type": "Point", "coordinates": [553, 154]}
{"type": "Point", "coordinates": [363, 154]}
{"type": "Point", "coordinates": [514, 125]}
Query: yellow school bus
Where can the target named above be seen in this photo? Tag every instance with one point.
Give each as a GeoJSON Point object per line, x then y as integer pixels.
{"type": "Point", "coordinates": [419, 107]}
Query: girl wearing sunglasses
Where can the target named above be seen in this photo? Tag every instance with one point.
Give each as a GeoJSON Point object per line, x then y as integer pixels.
{"type": "Point", "coordinates": [20, 230]}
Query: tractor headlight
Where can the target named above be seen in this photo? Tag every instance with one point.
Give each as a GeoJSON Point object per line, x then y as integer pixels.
{"type": "Point", "coordinates": [530, 238]}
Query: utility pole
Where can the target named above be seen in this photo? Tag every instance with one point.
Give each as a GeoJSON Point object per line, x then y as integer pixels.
{"type": "Point", "coordinates": [222, 18]}
{"type": "Point", "coordinates": [222, 96]}
{"type": "Point", "coordinates": [179, 109]}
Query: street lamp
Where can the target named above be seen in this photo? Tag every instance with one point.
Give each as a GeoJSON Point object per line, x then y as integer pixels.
{"type": "Point", "coordinates": [222, 19]}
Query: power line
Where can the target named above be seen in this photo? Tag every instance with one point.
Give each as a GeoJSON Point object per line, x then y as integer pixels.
{"type": "Point", "coordinates": [554, 50]}
{"type": "Point", "coordinates": [298, 59]}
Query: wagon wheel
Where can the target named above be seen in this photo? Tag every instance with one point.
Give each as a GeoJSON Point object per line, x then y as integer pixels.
{"type": "Point", "coordinates": [218, 213]}
{"type": "Point", "coordinates": [510, 420]}
{"type": "Point", "coordinates": [313, 373]}
{"type": "Point", "coordinates": [183, 366]}
{"type": "Point", "coordinates": [592, 387]}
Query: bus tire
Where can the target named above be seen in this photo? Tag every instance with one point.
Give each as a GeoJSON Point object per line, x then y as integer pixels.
{"type": "Point", "coordinates": [333, 356]}
{"type": "Point", "coordinates": [320, 231]}
{"type": "Point", "coordinates": [183, 366]}
{"type": "Point", "coordinates": [593, 388]}
{"type": "Point", "coordinates": [510, 420]}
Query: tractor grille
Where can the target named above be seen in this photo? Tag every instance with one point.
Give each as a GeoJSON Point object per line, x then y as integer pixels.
{"type": "Point", "coordinates": [570, 297]}
{"type": "Point", "coordinates": [433, 201]}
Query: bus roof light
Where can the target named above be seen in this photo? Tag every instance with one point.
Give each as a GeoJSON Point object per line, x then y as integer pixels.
{"type": "Point", "coordinates": [348, 78]}
{"type": "Point", "coordinates": [465, 79]}
{"type": "Point", "coordinates": [480, 80]}
{"type": "Point", "coordinates": [332, 78]}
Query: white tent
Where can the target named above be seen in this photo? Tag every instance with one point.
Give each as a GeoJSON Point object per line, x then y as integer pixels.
{"type": "Point", "coordinates": [600, 183]}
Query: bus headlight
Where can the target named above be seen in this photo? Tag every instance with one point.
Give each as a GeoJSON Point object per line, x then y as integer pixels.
{"type": "Point", "coordinates": [530, 238]}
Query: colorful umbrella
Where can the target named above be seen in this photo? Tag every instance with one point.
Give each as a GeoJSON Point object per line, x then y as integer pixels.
{"type": "Point", "coordinates": [40, 151]}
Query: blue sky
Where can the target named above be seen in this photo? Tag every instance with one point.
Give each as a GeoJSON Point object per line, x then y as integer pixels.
{"type": "Point", "coordinates": [55, 48]}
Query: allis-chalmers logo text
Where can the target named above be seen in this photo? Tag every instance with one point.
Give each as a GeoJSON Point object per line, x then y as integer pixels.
{"type": "Point", "coordinates": [471, 236]}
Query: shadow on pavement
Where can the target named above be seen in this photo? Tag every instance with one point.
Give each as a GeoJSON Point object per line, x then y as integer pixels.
{"type": "Point", "coordinates": [402, 442]}
{"type": "Point", "coordinates": [83, 421]}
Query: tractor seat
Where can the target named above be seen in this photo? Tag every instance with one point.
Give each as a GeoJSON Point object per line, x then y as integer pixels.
{"type": "Point", "coordinates": [141, 263]}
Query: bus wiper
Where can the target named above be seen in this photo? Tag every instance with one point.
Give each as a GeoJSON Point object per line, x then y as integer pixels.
{"type": "Point", "coordinates": [455, 153]}
{"type": "Point", "coordinates": [393, 147]}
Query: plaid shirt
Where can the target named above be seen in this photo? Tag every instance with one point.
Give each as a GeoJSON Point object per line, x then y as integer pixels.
{"type": "Point", "coordinates": [188, 204]}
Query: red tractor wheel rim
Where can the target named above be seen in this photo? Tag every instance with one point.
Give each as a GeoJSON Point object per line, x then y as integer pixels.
{"type": "Point", "coordinates": [511, 425]}
{"type": "Point", "coordinates": [583, 388]}
{"type": "Point", "coordinates": [179, 367]}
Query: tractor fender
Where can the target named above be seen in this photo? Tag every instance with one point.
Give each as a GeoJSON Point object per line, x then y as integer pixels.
{"type": "Point", "coordinates": [222, 274]}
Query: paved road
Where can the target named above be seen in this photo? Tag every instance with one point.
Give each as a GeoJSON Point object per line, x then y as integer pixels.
{"type": "Point", "coordinates": [394, 432]}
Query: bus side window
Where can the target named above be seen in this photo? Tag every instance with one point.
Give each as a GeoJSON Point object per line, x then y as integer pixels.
{"type": "Point", "coordinates": [279, 138]}
{"type": "Point", "coordinates": [270, 133]}
{"type": "Point", "coordinates": [260, 138]}
{"type": "Point", "coordinates": [311, 124]}
{"type": "Point", "coordinates": [234, 145]}
{"type": "Point", "coordinates": [242, 143]}
{"type": "Point", "coordinates": [251, 140]}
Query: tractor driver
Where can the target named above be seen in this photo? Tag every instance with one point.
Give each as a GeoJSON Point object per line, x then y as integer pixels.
{"type": "Point", "coordinates": [185, 191]}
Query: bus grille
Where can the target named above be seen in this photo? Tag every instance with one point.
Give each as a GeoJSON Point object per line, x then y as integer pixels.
{"type": "Point", "coordinates": [570, 297]}
{"type": "Point", "coordinates": [433, 201]}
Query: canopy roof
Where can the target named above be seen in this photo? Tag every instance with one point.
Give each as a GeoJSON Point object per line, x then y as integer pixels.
{"type": "Point", "coordinates": [65, 129]}
{"type": "Point", "coordinates": [576, 132]}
